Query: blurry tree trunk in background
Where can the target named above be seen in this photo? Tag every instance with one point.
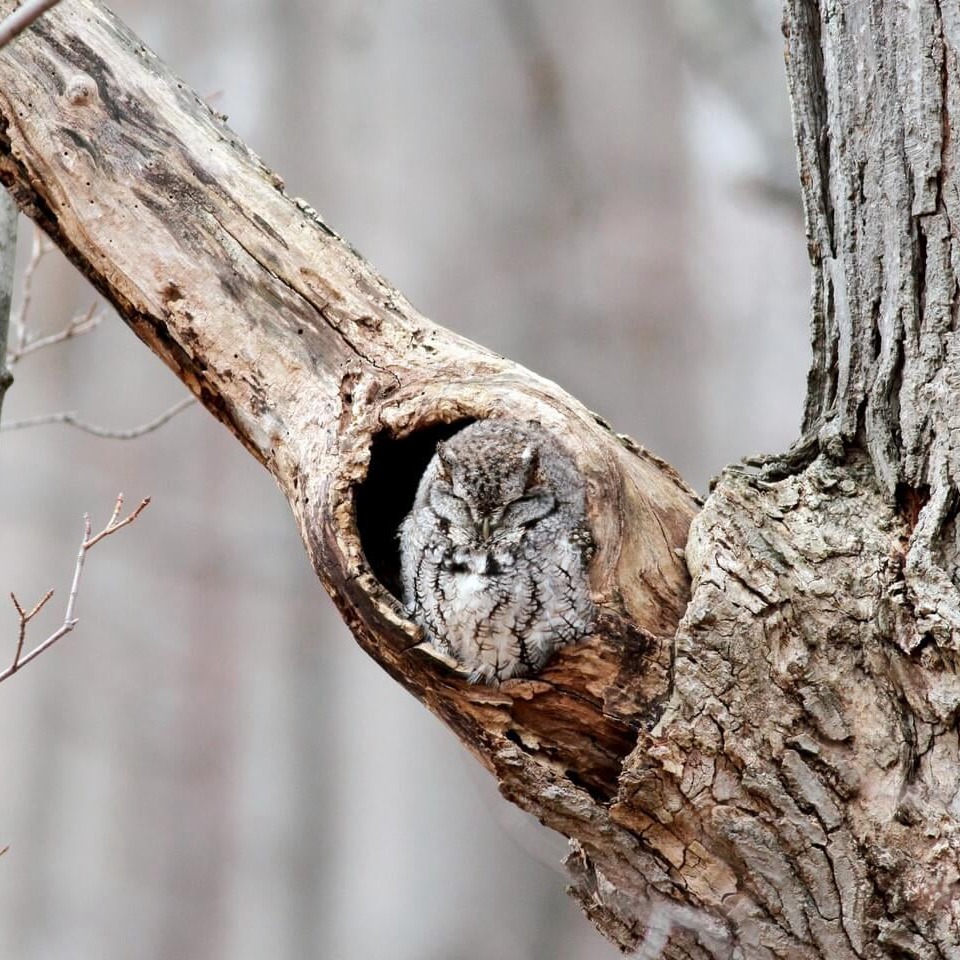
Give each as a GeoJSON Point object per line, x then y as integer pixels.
{"type": "Point", "coordinates": [780, 777]}
{"type": "Point", "coordinates": [8, 254]}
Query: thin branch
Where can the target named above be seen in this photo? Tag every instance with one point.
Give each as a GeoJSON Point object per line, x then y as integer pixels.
{"type": "Point", "coordinates": [114, 525]}
{"type": "Point", "coordinates": [80, 324]}
{"type": "Point", "coordinates": [70, 418]}
{"type": "Point", "coordinates": [40, 248]}
{"type": "Point", "coordinates": [20, 19]}
{"type": "Point", "coordinates": [25, 618]}
{"type": "Point", "coordinates": [69, 618]}
{"type": "Point", "coordinates": [8, 256]}
{"type": "Point", "coordinates": [25, 343]}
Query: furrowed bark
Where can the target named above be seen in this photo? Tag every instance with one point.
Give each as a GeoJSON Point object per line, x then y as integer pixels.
{"type": "Point", "coordinates": [876, 88]}
{"type": "Point", "coordinates": [763, 762]}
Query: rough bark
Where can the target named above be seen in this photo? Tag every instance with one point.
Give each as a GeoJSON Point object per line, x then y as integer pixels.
{"type": "Point", "coordinates": [764, 765]}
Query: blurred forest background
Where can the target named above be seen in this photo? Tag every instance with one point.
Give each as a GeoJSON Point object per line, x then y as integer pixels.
{"type": "Point", "coordinates": [605, 192]}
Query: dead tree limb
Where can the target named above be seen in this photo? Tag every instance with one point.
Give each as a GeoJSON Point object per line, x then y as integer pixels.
{"type": "Point", "coordinates": [777, 775]}
{"type": "Point", "coordinates": [339, 387]}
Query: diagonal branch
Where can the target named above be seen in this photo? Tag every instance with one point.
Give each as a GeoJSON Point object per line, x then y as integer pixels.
{"type": "Point", "coordinates": [333, 381]}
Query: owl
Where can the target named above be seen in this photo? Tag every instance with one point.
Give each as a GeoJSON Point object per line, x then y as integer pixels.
{"type": "Point", "coordinates": [494, 553]}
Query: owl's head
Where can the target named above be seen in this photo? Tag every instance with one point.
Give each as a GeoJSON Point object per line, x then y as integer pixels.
{"type": "Point", "coordinates": [490, 483]}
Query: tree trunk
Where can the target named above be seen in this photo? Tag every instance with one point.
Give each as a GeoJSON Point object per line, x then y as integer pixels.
{"type": "Point", "coordinates": [763, 762]}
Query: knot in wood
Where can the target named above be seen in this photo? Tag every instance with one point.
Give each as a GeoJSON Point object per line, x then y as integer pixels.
{"type": "Point", "coordinates": [81, 89]}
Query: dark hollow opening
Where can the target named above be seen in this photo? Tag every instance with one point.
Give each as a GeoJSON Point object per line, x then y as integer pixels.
{"type": "Point", "coordinates": [386, 495]}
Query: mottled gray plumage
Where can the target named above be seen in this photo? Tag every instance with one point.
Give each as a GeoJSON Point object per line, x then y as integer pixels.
{"type": "Point", "coordinates": [494, 552]}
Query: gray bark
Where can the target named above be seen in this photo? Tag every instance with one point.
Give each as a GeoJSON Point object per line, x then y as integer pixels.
{"type": "Point", "coordinates": [775, 772]}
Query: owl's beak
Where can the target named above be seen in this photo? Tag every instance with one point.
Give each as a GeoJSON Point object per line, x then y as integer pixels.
{"type": "Point", "coordinates": [485, 528]}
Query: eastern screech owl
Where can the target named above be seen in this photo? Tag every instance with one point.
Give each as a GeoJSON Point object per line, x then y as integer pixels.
{"type": "Point", "coordinates": [494, 552]}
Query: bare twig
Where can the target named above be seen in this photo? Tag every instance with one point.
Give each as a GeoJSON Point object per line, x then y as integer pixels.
{"type": "Point", "coordinates": [24, 342]}
{"type": "Point", "coordinates": [114, 525]}
{"type": "Point", "coordinates": [71, 419]}
{"type": "Point", "coordinates": [69, 618]}
{"type": "Point", "coordinates": [80, 324]}
{"type": "Point", "coordinates": [8, 256]}
{"type": "Point", "coordinates": [25, 618]}
{"type": "Point", "coordinates": [40, 248]}
{"type": "Point", "coordinates": [20, 19]}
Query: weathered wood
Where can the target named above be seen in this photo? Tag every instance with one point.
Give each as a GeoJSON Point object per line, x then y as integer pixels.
{"type": "Point", "coordinates": [768, 770]}
{"type": "Point", "coordinates": [340, 388]}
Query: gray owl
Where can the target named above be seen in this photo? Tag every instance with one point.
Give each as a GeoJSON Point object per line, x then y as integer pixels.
{"type": "Point", "coordinates": [494, 552]}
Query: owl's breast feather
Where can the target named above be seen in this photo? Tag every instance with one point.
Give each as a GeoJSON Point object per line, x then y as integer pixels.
{"type": "Point", "coordinates": [469, 588]}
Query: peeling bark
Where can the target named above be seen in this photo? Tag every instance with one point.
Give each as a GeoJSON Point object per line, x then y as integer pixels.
{"type": "Point", "coordinates": [760, 761]}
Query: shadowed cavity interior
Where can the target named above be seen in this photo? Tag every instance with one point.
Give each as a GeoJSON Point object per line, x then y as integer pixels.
{"type": "Point", "coordinates": [387, 493]}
